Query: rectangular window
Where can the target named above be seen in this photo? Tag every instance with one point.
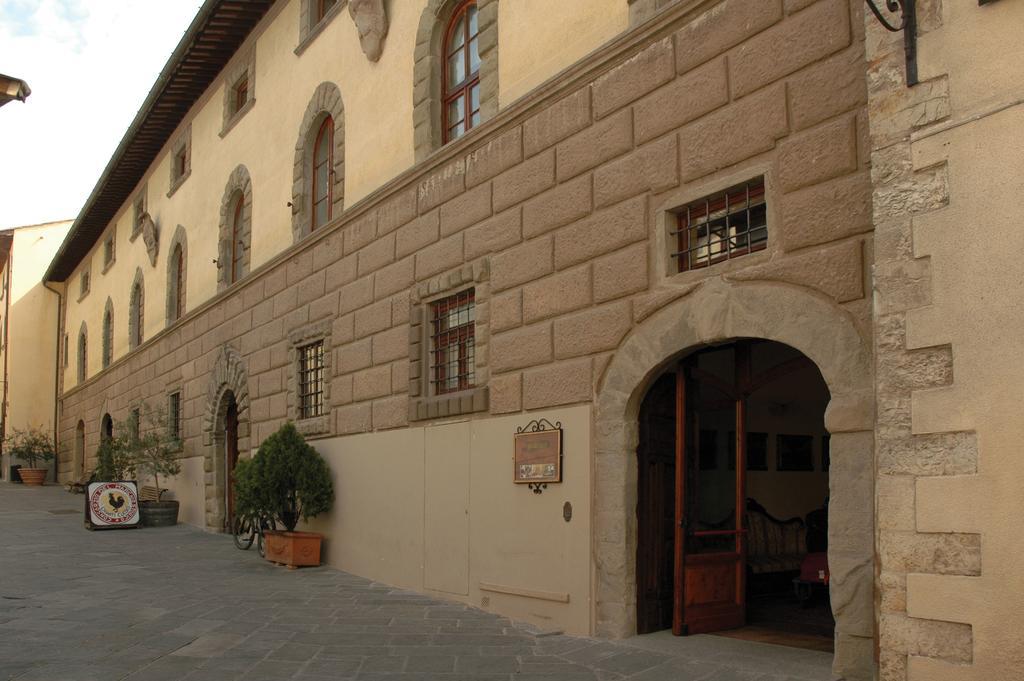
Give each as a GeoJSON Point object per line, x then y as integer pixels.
{"type": "Point", "coordinates": [322, 8]}
{"type": "Point", "coordinates": [67, 360]}
{"type": "Point", "coordinates": [241, 94]}
{"type": "Point", "coordinates": [722, 226]}
{"type": "Point", "coordinates": [311, 380]}
{"type": "Point", "coordinates": [83, 284]}
{"type": "Point", "coordinates": [452, 343]}
{"type": "Point", "coordinates": [138, 212]}
{"type": "Point", "coordinates": [174, 416]}
{"type": "Point", "coordinates": [108, 251]}
{"type": "Point", "coordinates": [136, 423]}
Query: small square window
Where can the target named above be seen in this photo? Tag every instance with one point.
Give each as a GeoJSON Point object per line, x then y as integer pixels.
{"type": "Point", "coordinates": [311, 380]}
{"type": "Point", "coordinates": [174, 416]}
{"type": "Point", "coordinates": [108, 251]}
{"type": "Point", "coordinates": [723, 226]}
{"type": "Point", "coordinates": [240, 95]}
{"type": "Point", "coordinates": [138, 213]}
{"type": "Point", "coordinates": [452, 343]}
{"type": "Point", "coordinates": [322, 7]}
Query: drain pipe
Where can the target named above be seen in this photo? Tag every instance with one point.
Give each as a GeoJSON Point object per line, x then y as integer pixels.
{"type": "Point", "coordinates": [56, 374]}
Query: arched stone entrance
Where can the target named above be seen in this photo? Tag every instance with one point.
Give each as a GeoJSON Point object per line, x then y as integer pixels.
{"type": "Point", "coordinates": [714, 312]}
{"type": "Point", "coordinates": [228, 392]}
{"type": "Point", "coordinates": [78, 466]}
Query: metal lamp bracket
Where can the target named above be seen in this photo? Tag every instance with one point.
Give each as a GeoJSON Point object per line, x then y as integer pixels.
{"type": "Point", "coordinates": [906, 13]}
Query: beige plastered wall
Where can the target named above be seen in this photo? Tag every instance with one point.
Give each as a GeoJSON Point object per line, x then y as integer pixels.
{"type": "Point", "coordinates": [32, 329]}
{"type": "Point", "coordinates": [950, 167]}
{"type": "Point", "coordinates": [434, 509]}
{"type": "Point", "coordinates": [539, 38]}
{"type": "Point", "coordinates": [377, 100]}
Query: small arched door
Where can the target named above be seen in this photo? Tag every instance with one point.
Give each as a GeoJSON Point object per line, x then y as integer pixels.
{"type": "Point", "coordinates": [78, 472]}
{"type": "Point", "coordinates": [230, 456]}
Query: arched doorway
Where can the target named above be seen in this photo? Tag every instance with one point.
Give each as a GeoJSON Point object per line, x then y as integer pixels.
{"type": "Point", "coordinates": [78, 472]}
{"type": "Point", "coordinates": [225, 432]}
{"type": "Point", "coordinates": [230, 455]}
{"type": "Point", "coordinates": [106, 427]}
{"type": "Point", "coordinates": [713, 312]}
{"type": "Point", "coordinates": [732, 497]}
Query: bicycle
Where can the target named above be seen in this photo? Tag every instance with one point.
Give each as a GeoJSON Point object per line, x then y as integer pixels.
{"type": "Point", "coordinates": [248, 529]}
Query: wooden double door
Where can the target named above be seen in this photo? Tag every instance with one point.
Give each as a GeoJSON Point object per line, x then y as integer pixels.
{"type": "Point", "coordinates": [691, 552]}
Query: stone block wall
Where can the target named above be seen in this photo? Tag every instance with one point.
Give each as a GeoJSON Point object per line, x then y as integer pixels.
{"type": "Point", "coordinates": [907, 454]}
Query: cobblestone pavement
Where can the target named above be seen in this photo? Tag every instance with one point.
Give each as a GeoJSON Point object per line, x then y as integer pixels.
{"type": "Point", "coordinates": [178, 603]}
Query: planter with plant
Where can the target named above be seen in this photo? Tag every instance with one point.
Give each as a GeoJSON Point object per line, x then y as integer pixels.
{"type": "Point", "coordinates": [34, 446]}
{"type": "Point", "coordinates": [151, 452]}
{"type": "Point", "coordinates": [286, 481]}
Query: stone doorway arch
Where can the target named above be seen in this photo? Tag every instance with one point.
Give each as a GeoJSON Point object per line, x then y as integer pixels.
{"type": "Point", "coordinates": [713, 312]}
{"type": "Point", "coordinates": [78, 463]}
{"type": "Point", "coordinates": [228, 387]}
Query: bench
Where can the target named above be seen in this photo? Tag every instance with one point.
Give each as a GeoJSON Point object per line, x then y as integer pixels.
{"type": "Point", "coordinates": [149, 493]}
{"type": "Point", "coordinates": [773, 545]}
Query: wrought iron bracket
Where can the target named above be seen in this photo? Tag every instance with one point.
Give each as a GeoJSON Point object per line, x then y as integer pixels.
{"type": "Point", "coordinates": [537, 487]}
{"type": "Point", "coordinates": [907, 12]}
{"type": "Point", "coordinates": [538, 425]}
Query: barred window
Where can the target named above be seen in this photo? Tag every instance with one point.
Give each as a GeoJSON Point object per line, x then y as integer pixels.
{"type": "Point", "coordinates": [452, 334]}
{"type": "Point", "coordinates": [723, 226]}
{"type": "Point", "coordinates": [83, 284]}
{"type": "Point", "coordinates": [174, 416]}
{"type": "Point", "coordinates": [311, 380]}
{"type": "Point", "coordinates": [135, 424]}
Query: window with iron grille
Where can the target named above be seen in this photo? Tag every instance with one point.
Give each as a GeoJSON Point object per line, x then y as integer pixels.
{"type": "Point", "coordinates": [721, 227]}
{"type": "Point", "coordinates": [83, 284]}
{"type": "Point", "coordinates": [135, 424]}
{"type": "Point", "coordinates": [452, 343]}
{"type": "Point", "coordinates": [174, 416]}
{"type": "Point", "coordinates": [311, 380]}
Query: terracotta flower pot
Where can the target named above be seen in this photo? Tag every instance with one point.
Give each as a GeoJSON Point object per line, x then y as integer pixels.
{"type": "Point", "coordinates": [33, 476]}
{"type": "Point", "coordinates": [294, 549]}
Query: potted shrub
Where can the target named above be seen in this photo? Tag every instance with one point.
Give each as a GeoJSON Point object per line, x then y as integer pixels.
{"type": "Point", "coordinates": [113, 458]}
{"type": "Point", "coordinates": [287, 481]}
{"type": "Point", "coordinates": [153, 453]}
{"type": "Point", "coordinates": [33, 446]}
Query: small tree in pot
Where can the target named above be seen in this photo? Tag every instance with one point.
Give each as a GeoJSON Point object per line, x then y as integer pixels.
{"type": "Point", "coordinates": [287, 480]}
{"type": "Point", "coordinates": [153, 452]}
{"type": "Point", "coordinates": [33, 446]}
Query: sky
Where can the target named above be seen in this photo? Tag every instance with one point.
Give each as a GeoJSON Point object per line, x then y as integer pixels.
{"type": "Point", "coordinates": [90, 65]}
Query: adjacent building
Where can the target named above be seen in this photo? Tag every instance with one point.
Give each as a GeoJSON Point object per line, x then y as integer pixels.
{"type": "Point", "coordinates": [29, 318]}
{"type": "Point", "coordinates": [737, 256]}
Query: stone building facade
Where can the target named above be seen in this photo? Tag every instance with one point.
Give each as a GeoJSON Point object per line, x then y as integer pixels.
{"type": "Point", "coordinates": [559, 213]}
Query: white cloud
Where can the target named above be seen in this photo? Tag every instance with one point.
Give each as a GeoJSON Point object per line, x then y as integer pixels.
{"type": "Point", "coordinates": [90, 64]}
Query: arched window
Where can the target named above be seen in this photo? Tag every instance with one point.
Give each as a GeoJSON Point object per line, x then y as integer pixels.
{"type": "Point", "coordinates": [462, 72]}
{"type": "Point", "coordinates": [83, 349]}
{"type": "Point", "coordinates": [176, 308]}
{"type": "Point", "coordinates": [234, 238]}
{"type": "Point", "coordinates": [136, 320]}
{"type": "Point", "coordinates": [237, 245]}
{"type": "Point", "coordinates": [108, 334]}
{"type": "Point", "coordinates": [323, 160]}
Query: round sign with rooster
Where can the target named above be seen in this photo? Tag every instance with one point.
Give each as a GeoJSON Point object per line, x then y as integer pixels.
{"type": "Point", "coordinates": [113, 504]}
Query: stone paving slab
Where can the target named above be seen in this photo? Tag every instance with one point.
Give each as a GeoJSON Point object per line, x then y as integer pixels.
{"type": "Point", "coordinates": [181, 604]}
